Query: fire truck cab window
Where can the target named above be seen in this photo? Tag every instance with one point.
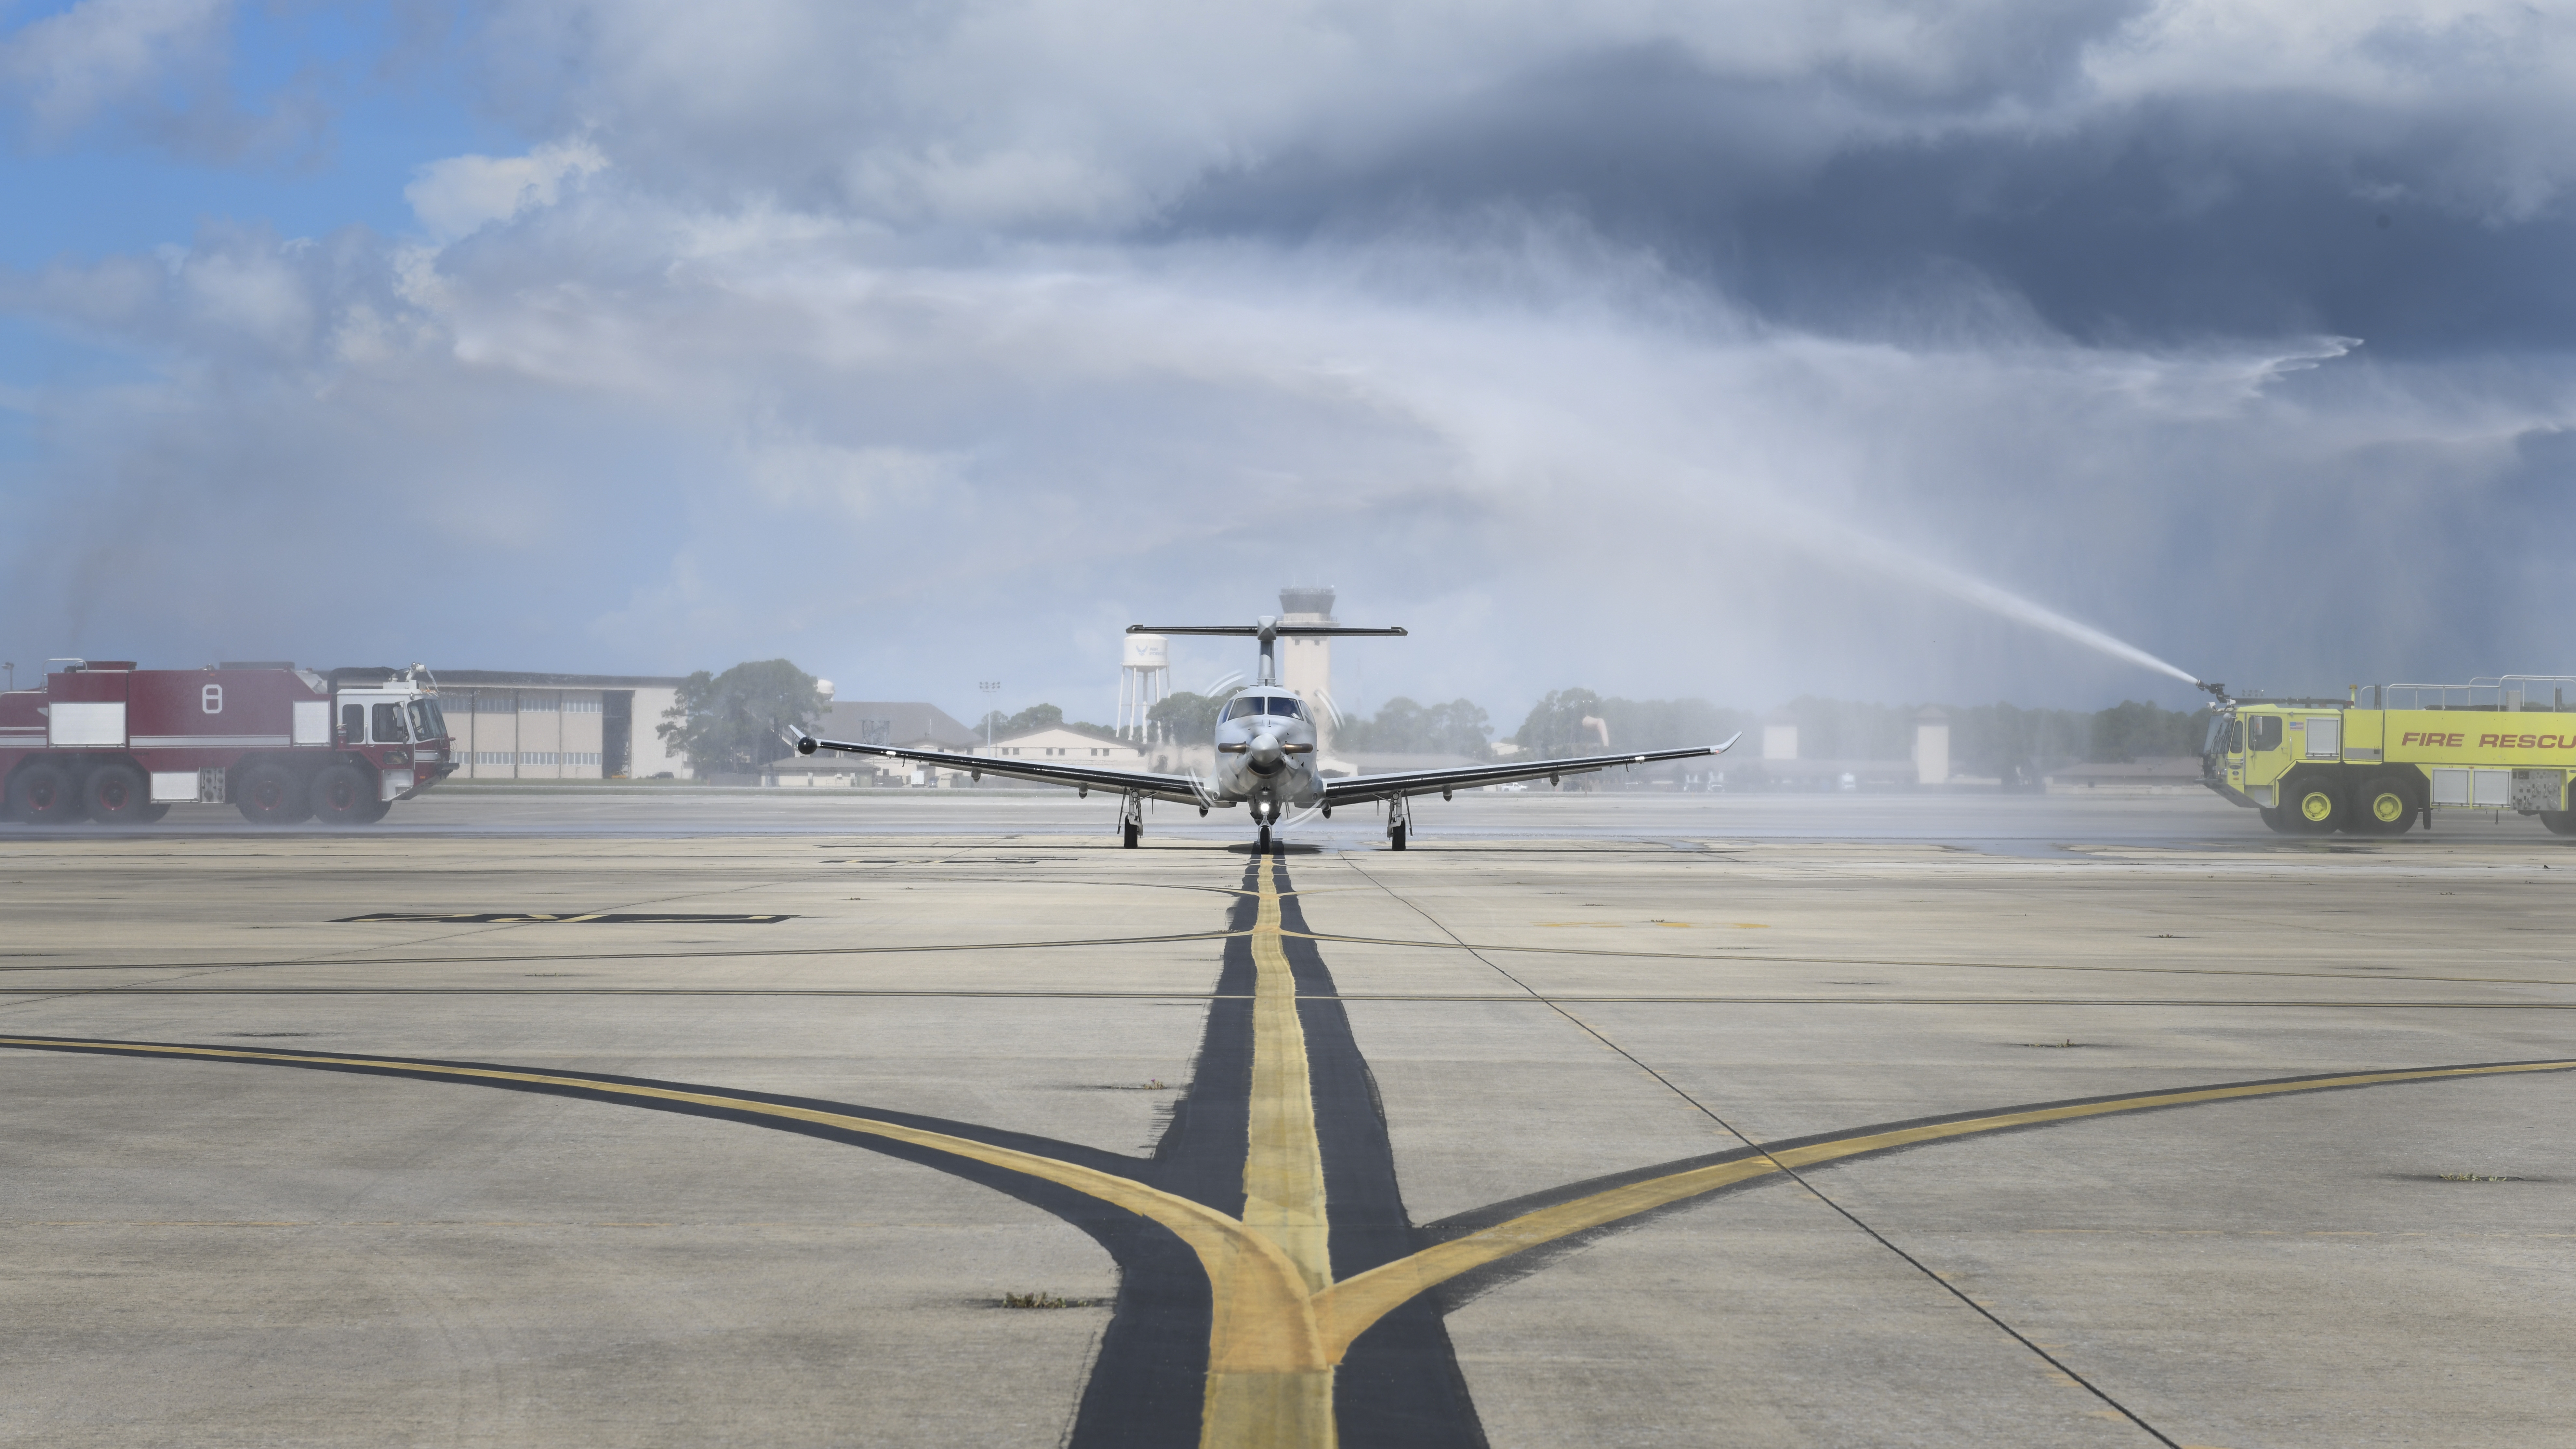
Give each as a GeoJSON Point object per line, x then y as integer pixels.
{"type": "Point", "coordinates": [420, 728]}
{"type": "Point", "coordinates": [2236, 737]}
{"type": "Point", "coordinates": [389, 724]}
{"type": "Point", "coordinates": [353, 724]}
{"type": "Point", "coordinates": [2266, 732]}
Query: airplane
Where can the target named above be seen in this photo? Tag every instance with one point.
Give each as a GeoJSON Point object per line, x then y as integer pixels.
{"type": "Point", "coordinates": [1265, 754]}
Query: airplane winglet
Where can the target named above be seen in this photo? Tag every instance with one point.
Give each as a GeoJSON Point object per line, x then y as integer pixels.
{"type": "Point", "coordinates": [1730, 743]}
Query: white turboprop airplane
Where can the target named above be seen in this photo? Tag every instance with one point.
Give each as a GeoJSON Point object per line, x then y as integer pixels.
{"type": "Point", "coordinates": [1265, 755]}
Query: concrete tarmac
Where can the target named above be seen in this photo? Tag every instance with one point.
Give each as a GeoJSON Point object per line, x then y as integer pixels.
{"type": "Point", "coordinates": [699, 1118]}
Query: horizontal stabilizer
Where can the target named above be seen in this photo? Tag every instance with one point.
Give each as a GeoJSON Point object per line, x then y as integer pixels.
{"type": "Point", "coordinates": [1255, 631]}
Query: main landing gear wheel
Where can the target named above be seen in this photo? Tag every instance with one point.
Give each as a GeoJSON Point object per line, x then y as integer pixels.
{"type": "Point", "coordinates": [42, 794]}
{"type": "Point", "coordinates": [2386, 807]}
{"type": "Point", "coordinates": [341, 795]}
{"type": "Point", "coordinates": [118, 795]}
{"type": "Point", "coordinates": [2314, 807]}
{"type": "Point", "coordinates": [1395, 837]}
{"type": "Point", "coordinates": [271, 795]}
{"type": "Point", "coordinates": [1131, 833]}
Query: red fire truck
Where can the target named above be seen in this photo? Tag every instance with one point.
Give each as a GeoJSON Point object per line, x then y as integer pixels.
{"type": "Point", "coordinates": [108, 742]}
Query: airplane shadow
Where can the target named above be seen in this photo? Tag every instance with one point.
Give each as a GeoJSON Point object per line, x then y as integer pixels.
{"type": "Point", "coordinates": [1283, 847]}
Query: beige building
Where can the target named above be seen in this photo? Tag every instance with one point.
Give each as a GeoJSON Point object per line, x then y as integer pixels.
{"type": "Point", "coordinates": [875, 722]}
{"type": "Point", "coordinates": [517, 726]}
{"type": "Point", "coordinates": [1066, 745]}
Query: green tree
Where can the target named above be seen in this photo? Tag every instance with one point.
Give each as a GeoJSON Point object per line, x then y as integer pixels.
{"type": "Point", "coordinates": [735, 722]}
{"type": "Point", "coordinates": [1668, 724]}
{"type": "Point", "coordinates": [1035, 717]}
{"type": "Point", "coordinates": [2133, 730]}
{"type": "Point", "coordinates": [1186, 718]}
{"type": "Point", "coordinates": [1554, 727]}
{"type": "Point", "coordinates": [1402, 727]}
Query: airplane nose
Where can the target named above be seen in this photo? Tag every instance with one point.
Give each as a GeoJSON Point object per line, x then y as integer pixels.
{"type": "Point", "coordinates": [1265, 756]}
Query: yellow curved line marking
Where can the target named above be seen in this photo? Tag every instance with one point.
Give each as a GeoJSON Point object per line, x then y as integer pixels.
{"type": "Point", "coordinates": [1350, 1306]}
{"type": "Point", "coordinates": [1263, 1324]}
{"type": "Point", "coordinates": [1280, 1325]}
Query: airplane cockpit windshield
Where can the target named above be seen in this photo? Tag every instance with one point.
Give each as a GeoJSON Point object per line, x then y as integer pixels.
{"type": "Point", "coordinates": [1273, 704]}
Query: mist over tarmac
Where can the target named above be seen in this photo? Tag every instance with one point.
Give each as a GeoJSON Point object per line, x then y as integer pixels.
{"type": "Point", "coordinates": [1658, 351]}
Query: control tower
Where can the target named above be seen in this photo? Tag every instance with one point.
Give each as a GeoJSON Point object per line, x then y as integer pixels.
{"type": "Point", "coordinates": [1306, 665]}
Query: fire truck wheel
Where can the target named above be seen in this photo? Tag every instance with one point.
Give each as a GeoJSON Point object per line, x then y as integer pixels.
{"type": "Point", "coordinates": [271, 795]}
{"type": "Point", "coordinates": [41, 794]}
{"type": "Point", "coordinates": [2314, 807]}
{"type": "Point", "coordinates": [2274, 820]}
{"type": "Point", "coordinates": [2558, 822]}
{"type": "Point", "coordinates": [342, 796]}
{"type": "Point", "coordinates": [117, 795]}
{"type": "Point", "coordinates": [2386, 807]}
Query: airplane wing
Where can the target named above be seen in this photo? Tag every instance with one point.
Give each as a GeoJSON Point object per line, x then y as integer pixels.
{"type": "Point", "coordinates": [1468, 777]}
{"type": "Point", "coordinates": [1184, 789]}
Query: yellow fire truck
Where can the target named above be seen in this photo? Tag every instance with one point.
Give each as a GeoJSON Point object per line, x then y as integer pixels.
{"type": "Point", "coordinates": [2376, 762]}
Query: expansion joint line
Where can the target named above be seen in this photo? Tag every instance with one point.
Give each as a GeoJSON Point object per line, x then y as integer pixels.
{"type": "Point", "coordinates": [1765, 1156]}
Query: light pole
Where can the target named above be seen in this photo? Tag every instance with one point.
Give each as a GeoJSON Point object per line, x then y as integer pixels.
{"type": "Point", "coordinates": [991, 688]}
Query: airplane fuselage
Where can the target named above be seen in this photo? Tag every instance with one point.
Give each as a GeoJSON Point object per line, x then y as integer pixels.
{"type": "Point", "coordinates": [1265, 751]}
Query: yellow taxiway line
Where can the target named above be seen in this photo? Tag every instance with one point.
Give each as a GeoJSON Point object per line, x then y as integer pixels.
{"type": "Point", "coordinates": [1258, 1400]}
{"type": "Point", "coordinates": [1348, 1308]}
{"type": "Point", "coordinates": [1280, 1323]}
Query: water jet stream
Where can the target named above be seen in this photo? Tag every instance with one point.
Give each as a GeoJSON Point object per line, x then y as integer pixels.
{"type": "Point", "coordinates": [1994, 599]}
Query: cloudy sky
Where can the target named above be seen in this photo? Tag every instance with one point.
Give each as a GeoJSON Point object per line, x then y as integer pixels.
{"type": "Point", "coordinates": [1737, 349]}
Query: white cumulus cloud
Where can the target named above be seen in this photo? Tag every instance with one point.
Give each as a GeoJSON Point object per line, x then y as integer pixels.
{"type": "Point", "coordinates": [462, 194]}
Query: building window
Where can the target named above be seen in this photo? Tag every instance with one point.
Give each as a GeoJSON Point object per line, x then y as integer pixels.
{"type": "Point", "coordinates": [534, 703]}
{"type": "Point", "coordinates": [575, 705]}
{"type": "Point", "coordinates": [581, 757]}
{"type": "Point", "coordinates": [539, 757]}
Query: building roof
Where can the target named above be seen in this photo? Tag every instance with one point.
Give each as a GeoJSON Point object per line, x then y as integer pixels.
{"type": "Point", "coordinates": [515, 679]}
{"type": "Point", "coordinates": [1055, 733]}
{"type": "Point", "coordinates": [894, 722]}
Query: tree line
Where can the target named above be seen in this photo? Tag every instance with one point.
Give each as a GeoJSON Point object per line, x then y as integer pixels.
{"type": "Point", "coordinates": [738, 721]}
{"type": "Point", "coordinates": [2001, 740]}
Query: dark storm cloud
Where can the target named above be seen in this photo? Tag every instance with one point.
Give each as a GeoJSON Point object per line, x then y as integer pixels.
{"type": "Point", "coordinates": [1831, 201]}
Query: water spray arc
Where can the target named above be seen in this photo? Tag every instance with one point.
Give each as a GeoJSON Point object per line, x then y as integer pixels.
{"type": "Point", "coordinates": [1993, 598]}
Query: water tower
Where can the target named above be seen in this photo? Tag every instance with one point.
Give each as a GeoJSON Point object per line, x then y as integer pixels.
{"type": "Point", "coordinates": [1144, 679]}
